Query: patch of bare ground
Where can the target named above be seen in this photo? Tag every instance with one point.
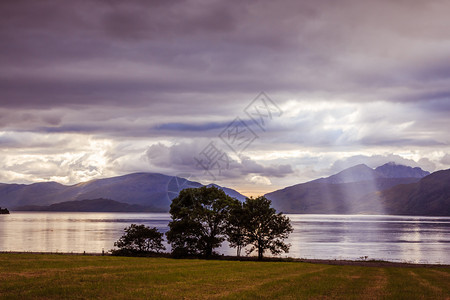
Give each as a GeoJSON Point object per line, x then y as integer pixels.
{"type": "Point", "coordinates": [425, 283]}
{"type": "Point", "coordinates": [31, 274]}
{"type": "Point", "coordinates": [51, 272]}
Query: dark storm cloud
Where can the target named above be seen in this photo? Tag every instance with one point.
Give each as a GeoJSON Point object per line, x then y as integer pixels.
{"type": "Point", "coordinates": [154, 19]}
{"type": "Point", "coordinates": [125, 52]}
{"type": "Point", "coordinates": [182, 127]}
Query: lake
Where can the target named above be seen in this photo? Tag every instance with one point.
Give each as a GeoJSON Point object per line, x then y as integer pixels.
{"type": "Point", "coordinates": [392, 238]}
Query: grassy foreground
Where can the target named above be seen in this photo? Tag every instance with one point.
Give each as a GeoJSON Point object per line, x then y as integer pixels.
{"type": "Point", "coordinates": [34, 276]}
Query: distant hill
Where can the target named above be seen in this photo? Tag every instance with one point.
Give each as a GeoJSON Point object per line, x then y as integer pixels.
{"type": "Point", "coordinates": [332, 198]}
{"type": "Point", "coordinates": [351, 191]}
{"type": "Point", "coordinates": [428, 197]}
{"type": "Point", "coordinates": [95, 205]}
{"type": "Point", "coordinates": [144, 189]}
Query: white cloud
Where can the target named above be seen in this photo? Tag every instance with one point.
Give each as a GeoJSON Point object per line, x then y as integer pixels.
{"type": "Point", "coordinates": [260, 180]}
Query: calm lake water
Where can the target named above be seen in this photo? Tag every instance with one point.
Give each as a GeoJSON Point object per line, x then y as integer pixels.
{"type": "Point", "coordinates": [392, 238]}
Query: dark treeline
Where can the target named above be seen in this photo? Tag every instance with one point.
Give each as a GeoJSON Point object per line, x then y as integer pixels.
{"type": "Point", "coordinates": [202, 218]}
{"type": "Point", "coordinates": [4, 211]}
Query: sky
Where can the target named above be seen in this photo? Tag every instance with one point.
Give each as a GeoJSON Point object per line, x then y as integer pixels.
{"type": "Point", "coordinates": [253, 95]}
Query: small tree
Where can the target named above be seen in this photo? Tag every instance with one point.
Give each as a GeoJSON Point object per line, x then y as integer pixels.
{"type": "Point", "coordinates": [198, 221]}
{"type": "Point", "coordinates": [140, 239]}
{"type": "Point", "coordinates": [235, 229]}
{"type": "Point", "coordinates": [264, 228]}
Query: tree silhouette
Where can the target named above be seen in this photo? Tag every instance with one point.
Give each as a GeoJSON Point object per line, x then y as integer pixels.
{"type": "Point", "coordinates": [198, 221]}
{"type": "Point", "coordinates": [264, 228]}
{"type": "Point", "coordinates": [140, 239]}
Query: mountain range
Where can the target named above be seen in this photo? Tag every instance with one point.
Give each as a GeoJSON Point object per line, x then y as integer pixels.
{"type": "Point", "coordinates": [387, 189]}
{"type": "Point", "coordinates": [147, 190]}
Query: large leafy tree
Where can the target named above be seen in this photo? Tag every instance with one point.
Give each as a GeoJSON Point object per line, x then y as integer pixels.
{"type": "Point", "coordinates": [140, 239]}
{"type": "Point", "coordinates": [198, 221]}
{"type": "Point", "coordinates": [264, 228]}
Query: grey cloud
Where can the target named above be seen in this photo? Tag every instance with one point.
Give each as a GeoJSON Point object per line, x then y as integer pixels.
{"type": "Point", "coordinates": [445, 160]}
{"type": "Point", "coordinates": [138, 20]}
{"type": "Point", "coordinates": [182, 127]}
{"type": "Point", "coordinates": [180, 157]}
{"type": "Point", "coordinates": [427, 164]}
{"type": "Point", "coordinates": [183, 157]}
{"type": "Point", "coordinates": [52, 119]}
{"type": "Point", "coordinates": [249, 166]}
{"type": "Point", "coordinates": [35, 142]}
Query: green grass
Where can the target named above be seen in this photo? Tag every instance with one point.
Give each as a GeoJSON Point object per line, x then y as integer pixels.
{"type": "Point", "coordinates": [36, 276]}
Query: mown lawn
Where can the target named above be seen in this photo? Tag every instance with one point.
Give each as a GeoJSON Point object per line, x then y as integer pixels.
{"type": "Point", "coordinates": [26, 276]}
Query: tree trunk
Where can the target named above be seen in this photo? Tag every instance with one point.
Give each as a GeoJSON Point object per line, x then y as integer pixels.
{"type": "Point", "coordinates": [208, 250]}
{"type": "Point", "coordinates": [260, 253]}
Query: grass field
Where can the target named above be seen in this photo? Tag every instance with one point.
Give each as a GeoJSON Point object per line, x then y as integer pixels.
{"type": "Point", "coordinates": [38, 276]}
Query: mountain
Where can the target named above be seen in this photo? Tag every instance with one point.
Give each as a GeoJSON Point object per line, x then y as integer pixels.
{"type": "Point", "coordinates": [95, 205]}
{"type": "Point", "coordinates": [428, 197]}
{"type": "Point", "coordinates": [362, 172]}
{"type": "Point", "coordinates": [331, 198]}
{"type": "Point", "coordinates": [392, 170]}
{"type": "Point", "coordinates": [354, 174]}
{"type": "Point", "coordinates": [144, 189]}
{"type": "Point", "coordinates": [353, 190]}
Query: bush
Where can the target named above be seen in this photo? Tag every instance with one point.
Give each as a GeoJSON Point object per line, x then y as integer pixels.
{"type": "Point", "coordinates": [139, 239]}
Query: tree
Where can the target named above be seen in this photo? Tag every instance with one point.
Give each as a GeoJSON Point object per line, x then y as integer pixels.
{"type": "Point", "coordinates": [235, 229]}
{"type": "Point", "coordinates": [140, 239]}
{"type": "Point", "coordinates": [264, 228]}
{"type": "Point", "coordinates": [198, 221]}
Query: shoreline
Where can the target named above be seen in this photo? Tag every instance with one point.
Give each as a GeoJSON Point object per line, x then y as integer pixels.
{"type": "Point", "coordinates": [337, 262]}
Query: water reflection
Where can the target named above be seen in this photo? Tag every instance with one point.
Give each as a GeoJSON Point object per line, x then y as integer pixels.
{"type": "Point", "coordinates": [394, 238]}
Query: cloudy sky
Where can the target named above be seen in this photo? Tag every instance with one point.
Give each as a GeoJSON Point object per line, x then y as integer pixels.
{"type": "Point", "coordinates": [92, 89]}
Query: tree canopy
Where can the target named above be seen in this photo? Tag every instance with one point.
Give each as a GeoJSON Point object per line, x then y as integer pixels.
{"type": "Point", "coordinates": [198, 220]}
{"type": "Point", "coordinates": [140, 239]}
{"type": "Point", "coordinates": [264, 229]}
